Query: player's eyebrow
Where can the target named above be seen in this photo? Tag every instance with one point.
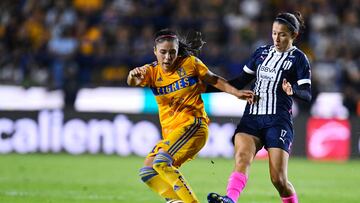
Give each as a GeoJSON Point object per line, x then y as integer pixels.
{"type": "Point", "coordinates": [168, 50]}
{"type": "Point", "coordinates": [280, 32]}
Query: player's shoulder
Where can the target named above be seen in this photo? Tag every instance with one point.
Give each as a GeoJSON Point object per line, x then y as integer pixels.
{"type": "Point", "coordinates": [151, 68]}
{"type": "Point", "coordinates": [190, 61]}
{"type": "Point", "coordinates": [191, 58]}
{"type": "Point", "coordinates": [262, 50]}
{"type": "Point", "coordinates": [153, 64]}
{"type": "Point", "coordinates": [298, 53]}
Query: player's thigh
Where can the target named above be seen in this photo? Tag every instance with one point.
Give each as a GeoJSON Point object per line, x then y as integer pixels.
{"type": "Point", "coordinates": [182, 143]}
{"type": "Point", "coordinates": [187, 149]}
{"type": "Point", "coordinates": [246, 145]}
{"type": "Point", "coordinates": [279, 135]}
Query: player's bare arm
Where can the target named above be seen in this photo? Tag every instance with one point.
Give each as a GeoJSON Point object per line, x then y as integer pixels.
{"type": "Point", "coordinates": [221, 84]}
{"type": "Point", "coordinates": [136, 76]}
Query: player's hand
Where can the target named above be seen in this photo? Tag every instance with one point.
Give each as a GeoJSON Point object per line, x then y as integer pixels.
{"type": "Point", "coordinates": [287, 87]}
{"type": "Point", "coordinates": [247, 95]}
{"type": "Point", "coordinates": [138, 72]}
{"type": "Point", "coordinates": [254, 99]}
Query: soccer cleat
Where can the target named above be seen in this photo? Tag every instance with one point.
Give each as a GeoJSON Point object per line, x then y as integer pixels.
{"type": "Point", "coordinates": [216, 198]}
{"type": "Point", "coordinates": [174, 201]}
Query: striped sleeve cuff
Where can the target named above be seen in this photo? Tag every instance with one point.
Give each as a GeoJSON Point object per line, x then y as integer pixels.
{"type": "Point", "coordinates": [303, 81]}
{"type": "Point", "coordinates": [248, 70]}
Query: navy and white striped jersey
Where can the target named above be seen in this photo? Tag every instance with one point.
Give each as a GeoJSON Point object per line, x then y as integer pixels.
{"type": "Point", "coordinates": [270, 67]}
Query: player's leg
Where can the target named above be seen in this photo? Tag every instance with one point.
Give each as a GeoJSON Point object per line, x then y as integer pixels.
{"type": "Point", "coordinates": [163, 164]}
{"type": "Point", "coordinates": [246, 147]}
{"type": "Point", "coordinates": [179, 150]}
{"type": "Point", "coordinates": [278, 141]}
{"type": "Point", "coordinates": [152, 179]}
{"type": "Point", "coordinates": [278, 165]}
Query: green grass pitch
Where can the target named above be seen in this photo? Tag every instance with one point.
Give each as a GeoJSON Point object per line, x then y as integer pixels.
{"type": "Point", "coordinates": [62, 178]}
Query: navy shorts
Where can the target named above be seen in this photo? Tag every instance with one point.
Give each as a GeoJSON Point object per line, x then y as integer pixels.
{"type": "Point", "coordinates": [274, 131]}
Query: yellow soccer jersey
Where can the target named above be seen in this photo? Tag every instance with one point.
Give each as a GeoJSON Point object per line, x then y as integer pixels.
{"type": "Point", "coordinates": [178, 92]}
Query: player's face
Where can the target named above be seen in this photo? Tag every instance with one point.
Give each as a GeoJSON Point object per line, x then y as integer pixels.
{"type": "Point", "coordinates": [166, 53]}
{"type": "Point", "coordinates": [282, 37]}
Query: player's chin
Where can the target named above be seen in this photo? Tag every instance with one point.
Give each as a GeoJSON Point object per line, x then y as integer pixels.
{"type": "Point", "coordinates": [279, 48]}
{"type": "Point", "coordinates": [166, 65]}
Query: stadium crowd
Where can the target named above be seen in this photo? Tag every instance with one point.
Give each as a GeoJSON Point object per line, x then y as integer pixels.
{"type": "Point", "coordinates": [69, 44]}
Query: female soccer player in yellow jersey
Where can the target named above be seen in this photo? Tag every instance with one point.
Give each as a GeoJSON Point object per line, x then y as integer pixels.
{"type": "Point", "coordinates": [176, 79]}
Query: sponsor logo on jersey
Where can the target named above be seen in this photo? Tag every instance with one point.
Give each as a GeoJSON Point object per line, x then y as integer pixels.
{"type": "Point", "coordinates": [267, 69]}
{"type": "Point", "coordinates": [175, 86]}
{"type": "Point", "coordinates": [266, 77]}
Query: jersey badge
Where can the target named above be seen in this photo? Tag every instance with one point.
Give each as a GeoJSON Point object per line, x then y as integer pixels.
{"type": "Point", "coordinates": [181, 72]}
{"type": "Point", "coordinates": [287, 64]}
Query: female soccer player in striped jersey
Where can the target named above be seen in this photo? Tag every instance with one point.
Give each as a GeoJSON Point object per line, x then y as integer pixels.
{"type": "Point", "coordinates": [281, 71]}
{"type": "Point", "coordinates": [176, 81]}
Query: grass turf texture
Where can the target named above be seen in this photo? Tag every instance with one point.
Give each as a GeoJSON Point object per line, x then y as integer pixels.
{"type": "Point", "coordinates": [62, 178]}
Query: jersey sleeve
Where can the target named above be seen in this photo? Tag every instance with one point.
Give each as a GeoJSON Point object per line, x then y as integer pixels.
{"type": "Point", "coordinates": [250, 66]}
{"type": "Point", "coordinates": [303, 71]}
{"type": "Point", "coordinates": [147, 81]}
{"type": "Point", "coordinates": [200, 67]}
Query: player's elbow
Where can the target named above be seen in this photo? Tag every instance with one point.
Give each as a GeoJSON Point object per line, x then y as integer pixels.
{"type": "Point", "coordinates": [307, 96]}
{"type": "Point", "coordinates": [308, 100]}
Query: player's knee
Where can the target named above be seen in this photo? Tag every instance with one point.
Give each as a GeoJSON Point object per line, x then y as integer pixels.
{"type": "Point", "coordinates": [279, 181]}
{"type": "Point", "coordinates": [243, 159]}
{"type": "Point", "coordinates": [146, 173]}
{"type": "Point", "coordinates": [160, 167]}
{"type": "Point", "coordinates": [161, 161]}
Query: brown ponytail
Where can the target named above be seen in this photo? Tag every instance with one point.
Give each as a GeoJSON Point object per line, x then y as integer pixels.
{"type": "Point", "coordinates": [191, 45]}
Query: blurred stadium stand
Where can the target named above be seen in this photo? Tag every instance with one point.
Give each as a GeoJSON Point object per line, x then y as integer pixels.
{"type": "Point", "coordinates": [69, 45]}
